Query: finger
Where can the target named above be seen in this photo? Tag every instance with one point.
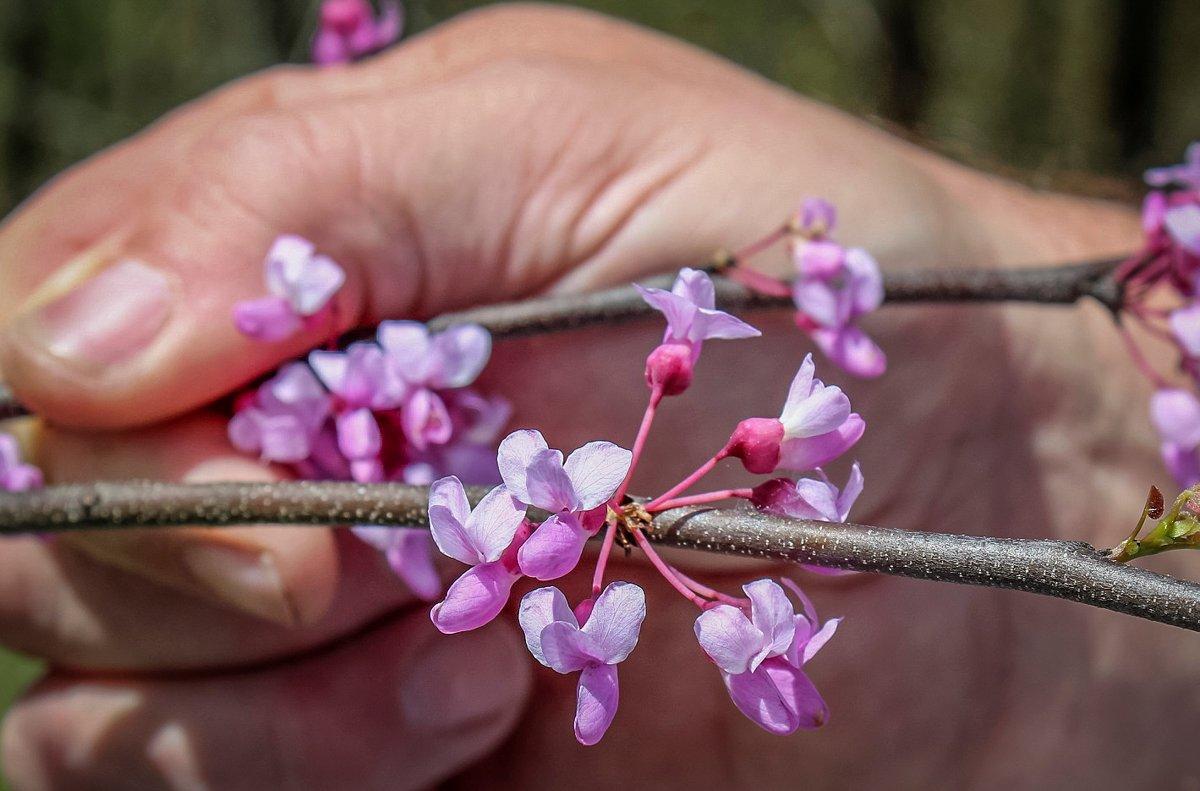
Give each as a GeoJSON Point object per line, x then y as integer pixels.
{"type": "Point", "coordinates": [401, 707]}
{"type": "Point", "coordinates": [187, 597]}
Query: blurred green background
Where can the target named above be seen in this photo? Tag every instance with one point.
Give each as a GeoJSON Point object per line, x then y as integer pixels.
{"type": "Point", "coordinates": [1080, 93]}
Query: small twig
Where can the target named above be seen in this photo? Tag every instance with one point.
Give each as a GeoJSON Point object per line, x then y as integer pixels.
{"type": "Point", "coordinates": [1063, 569]}
{"type": "Point", "coordinates": [1055, 285]}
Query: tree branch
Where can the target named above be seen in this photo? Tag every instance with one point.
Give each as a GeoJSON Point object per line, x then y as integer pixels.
{"type": "Point", "coordinates": [1055, 285]}
{"type": "Point", "coordinates": [1063, 569]}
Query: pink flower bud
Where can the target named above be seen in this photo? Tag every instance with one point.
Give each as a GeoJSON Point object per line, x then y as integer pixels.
{"type": "Point", "coordinates": [670, 367]}
{"type": "Point", "coordinates": [770, 495]}
{"type": "Point", "coordinates": [757, 441]}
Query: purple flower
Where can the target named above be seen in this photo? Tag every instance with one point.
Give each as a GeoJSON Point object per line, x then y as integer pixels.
{"type": "Point", "coordinates": [1182, 224]}
{"type": "Point", "coordinates": [815, 428]}
{"type": "Point", "coordinates": [300, 284]}
{"type": "Point", "coordinates": [282, 421]}
{"type": "Point", "coordinates": [481, 538]}
{"type": "Point", "coordinates": [1176, 414]}
{"type": "Point", "coordinates": [15, 474]}
{"type": "Point", "coordinates": [809, 498]}
{"type": "Point", "coordinates": [361, 383]}
{"type": "Point", "coordinates": [831, 303]}
{"type": "Point", "coordinates": [817, 217]}
{"type": "Point", "coordinates": [574, 493]}
{"type": "Point", "coordinates": [409, 553]}
{"type": "Point", "coordinates": [348, 30]}
{"type": "Point", "coordinates": [761, 656]}
{"type": "Point", "coordinates": [426, 363]}
{"type": "Point", "coordinates": [691, 319]}
{"type": "Point", "coordinates": [1185, 326]}
{"type": "Point", "coordinates": [1186, 175]}
{"type": "Point", "coordinates": [607, 637]}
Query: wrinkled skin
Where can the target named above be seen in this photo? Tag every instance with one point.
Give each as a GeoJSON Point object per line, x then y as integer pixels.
{"type": "Point", "coordinates": [523, 150]}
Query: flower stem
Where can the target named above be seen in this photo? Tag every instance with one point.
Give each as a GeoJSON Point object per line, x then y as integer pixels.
{"type": "Point", "coordinates": [703, 499]}
{"type": "Point", "coordinates": [1140, 360]}
{"type": "Point", "coordinates": [639, 443]}
{"type": "Point", "coordinates": [711, 593]}
{"type": "Point", "coordinates": [757, 281]}
{"type": "Point", "coordinates": [610, 538]}
{"type": "Point", "coordinates": [666, 571]}
{"type": "Point", "coordinates": [700, 472]}
{"type": "Point", "coordinates": [754, 248]}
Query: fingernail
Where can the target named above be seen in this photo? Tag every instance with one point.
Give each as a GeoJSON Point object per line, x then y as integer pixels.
{"type": "Point", "coordinates": [245, 579]}
{"type": "Point", "coordinates": [463, 680]}
{"type": "Point", "coordinates": [103, 321]}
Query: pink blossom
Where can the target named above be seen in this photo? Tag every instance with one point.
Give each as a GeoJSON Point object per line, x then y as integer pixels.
{"type": "Point", "coordinates": [426, 363]}
{"type": "Point", "coordinates": [1185, 175]}
{"type": "Point", "coordinates": [575, 493]}
{"type": "Point", "coordinates": [481, 538]}
{"type": "Point", "coordinates": [1176, 414]}
{"type": "Point", "coordinates": [810, 498]}
{"type": "Point", "coordinates": [830, 304]}
{"type": "Point", "coordinates": [692, 318]}
{"type": "Point", "coordinates": [15, 474]}
{"type": "Point", "coordinates": [409, 553]}
{"type": "Point", "coordinates": [606, 638]}
{"type": "Point", "coordinates": [761, 656]}
{"type": "Point", "coordinates": [282, 420]}
{"type": "Point", "coordinates": [300, 284]}
{"type": "Point", "coordinates": [816, 426]}
{"type": "Point", "coordinates": [1185, 326]}
{"type": "Point", "coordinates": [1182, 224]}
{"type": "Point", "coordinates": [348, 30]}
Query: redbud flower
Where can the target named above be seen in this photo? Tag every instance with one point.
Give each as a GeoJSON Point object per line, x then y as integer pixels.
{"type": "Point", "coordinates": [815, 428]}
{"type": "Point", "coordinates": [408, 551]}
{"type": "Point", "coordinates": [574, 492]}
{"type": "Point", "coordinates": [691, 319]}
{"type": "Point", "coordinates": [15, 474]}
{"type": "Point", "coordinates": [809, 498]}
{"type": "Point", "coordinates": [478, 538]}
{"type": "Point", "coordinates": [1176, 414]}
{"type": "Point", "coordinates": [761, 656]}
{"type": "Point", "coordinates": [830, 304]}
{"type": "Point", "coordinates": [348, 30]}
{"type": "Point", "coordinates": [606, 638]}
{"type": "Point", "coordinates": [1185, 175]}
{"type": "Point", "coordinates": [281, 421]}
{"type": "Point", "coordinates": [1185, 326]}
{"type": "Point", "coordinates": [424, 363]}
{"type": "Point", "coordinates": [300, 284]}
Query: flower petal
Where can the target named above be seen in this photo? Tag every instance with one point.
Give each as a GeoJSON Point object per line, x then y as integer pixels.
{"type": "Point", "coordinates": [778, 697]}
{"type": "Point", "coordinates": [679, 311]}
{"type": "Point", "coordinates": [809, 453]}
{"type": "Point", "coordinates": [494, 522]}
{"type": "Point", "coordinates": [1183, 224]}
{"type": "Point", "coordinates": [548, 485]}
{"type": "Point", "coordinates": [409, 554]}
{"type": "Point", "coordinates": [595, 471]}
{"type": "Point", "coordinates": [597, 702]}
{"type": "Point", "coordinates": [425, 419]}
{"type": "Point", "coordinates": [814, 500]}
{"type": "Point", "coordinates": [696, 287]}
{"type": "Point", "coordinates": [288, 256]}
{"type": "Point", "coordinates": [616, 621]}
{"type": "Point", "coordinates": [358, 434]}
{"type": "Point", "coordinates": [1176, 414]}
{"type": "Point", "coordinates": [461, 352]}
{"type": "Point", "coordinates": [407, 344]}
{"type": "Point", "coordinates": [540, 608]}
{"type": "Point", "coordinates": [448, 514]}
{"type": "Point", "coordinates": [728, 637]}
{"type": "Point", "coordinates": [565, 648]}
{"type": "Point", "coordinates": [1185, 326]}
{"type": "Point", "coordinates": [316, 284]}
{"type": "Point", "coordinates": [266, 319]}
{"type": "Point", "coordinates": [720, 325]}
{"type": "Point", "coordinates": [820, 302]}
{"type": "Point", "coordinates": [554, 548]}
{"type": "Point", "coordinates": [815, 643]}
{"type": "Point", "coordinates": [514, 456]}
{"type": "Point", "coordinates": [823, 411]}
{"type": "Point", "coordinates": [474, 599]}
{"type": "Point", "coordinates": [773, 616]}
{"type": "Point", "coordinates": [852, 349]}
{"type": "Point", "coordinates": [864, 281]}
{"type": "Point", "coordinates": [850, 492]}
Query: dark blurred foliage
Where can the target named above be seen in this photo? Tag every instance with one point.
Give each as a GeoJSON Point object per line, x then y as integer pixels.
{"type": "Point", "coordinates": [1097, 86]}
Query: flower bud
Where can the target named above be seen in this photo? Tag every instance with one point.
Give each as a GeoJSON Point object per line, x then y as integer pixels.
{"type": "Point", "coordinates": [757, 441]}
{"type": "Point", "coordinates": [670, 367]}
{"type": "Point", "coordinates": [770, 495]}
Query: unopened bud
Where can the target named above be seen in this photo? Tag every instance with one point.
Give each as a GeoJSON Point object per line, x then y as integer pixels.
{"type": "Point", "coordinates": [670, 367]}
{"type": "Point", "coordinates": [758, 442]}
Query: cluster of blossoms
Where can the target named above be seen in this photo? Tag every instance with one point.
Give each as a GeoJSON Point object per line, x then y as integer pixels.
{"type": "Point", "coordinates": [397, 409]}
{"type": "Point", "coordinates": [759, 642]}
{"type": "Point", "coordinates": [349, 29]}
{"type": "Point", "coordinates": [833, 287]}
{"type": "Point", "coordinates": [1170, 259]}
{"type": "Point", "coordinates": [15, 474]}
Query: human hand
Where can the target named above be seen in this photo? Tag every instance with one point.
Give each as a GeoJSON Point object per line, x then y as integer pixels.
{"type": "Point", "coordinates": [511, 152]}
